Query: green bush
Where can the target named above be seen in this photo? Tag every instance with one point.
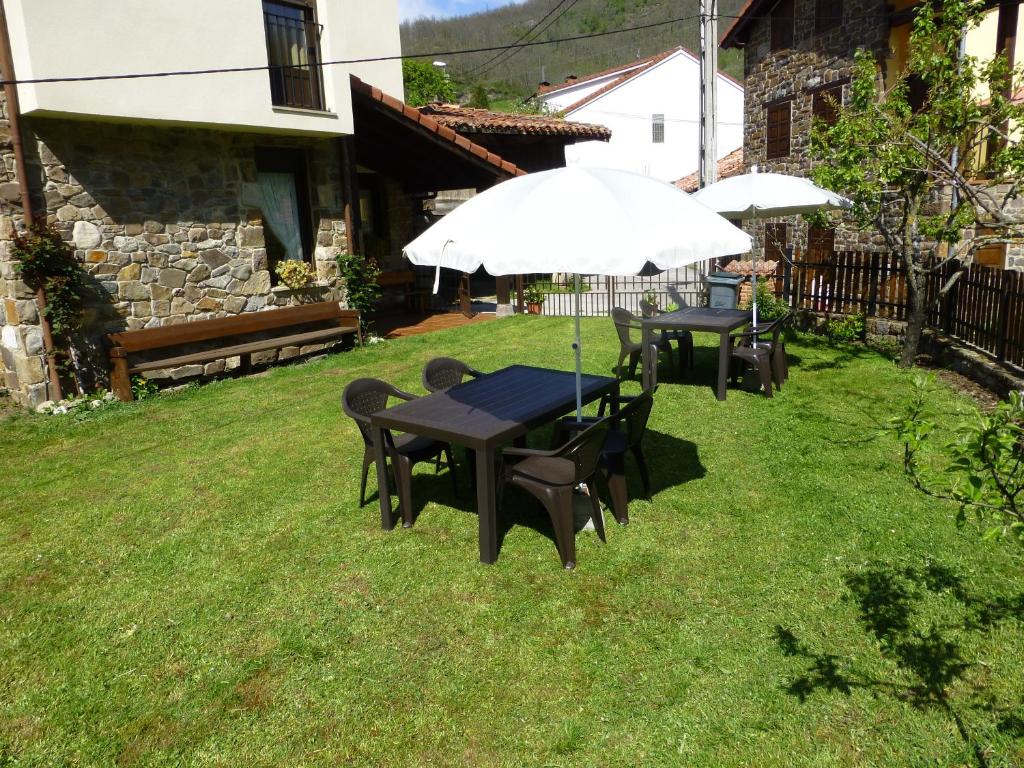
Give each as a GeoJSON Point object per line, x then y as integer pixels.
{"type": "Point", "coordinates": [845, 328]}
{"type": "Point", "coordinates": [361, 289]}
{"type": "Point", "coordinates": [769, 306]}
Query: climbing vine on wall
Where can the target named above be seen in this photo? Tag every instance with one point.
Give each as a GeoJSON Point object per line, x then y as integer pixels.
{"type": "Point", "coordinates": [45, 261]}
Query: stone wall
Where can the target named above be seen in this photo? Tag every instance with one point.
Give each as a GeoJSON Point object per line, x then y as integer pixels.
{"type": "Point", "coordinates": [161, 222]}
{"type": "Point", "coordinates": [814, 61]}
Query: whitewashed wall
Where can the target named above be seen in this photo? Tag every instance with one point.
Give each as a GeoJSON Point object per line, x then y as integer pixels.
{"type": "Point", "coordinates": [672, 88]}
{"type": "Point", "coordinates": [55, 38]}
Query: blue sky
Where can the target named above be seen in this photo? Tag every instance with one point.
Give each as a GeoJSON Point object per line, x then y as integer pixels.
{"type": "Point", "coordinates": [413, 9]}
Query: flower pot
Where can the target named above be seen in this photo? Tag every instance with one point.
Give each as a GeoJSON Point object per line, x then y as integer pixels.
{"type": "Point", "coordinates": [534, 309]}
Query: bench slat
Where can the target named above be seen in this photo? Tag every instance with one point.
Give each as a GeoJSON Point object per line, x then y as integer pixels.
{"type": "Point", "coordinates": [242, 349]}
{"type": "Point", "coordinates": [249, 322]}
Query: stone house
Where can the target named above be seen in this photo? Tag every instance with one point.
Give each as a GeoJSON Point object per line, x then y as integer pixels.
{"type": "Point", "coordinates": [180, 192]}
{"type": "Point", "coordinates": [798, 59]}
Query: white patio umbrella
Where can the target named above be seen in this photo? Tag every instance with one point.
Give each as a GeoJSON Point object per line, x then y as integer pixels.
{"type": "Point", "coordinates": [764, 195]}
{"type": "Point", "coordinates": [578, 220]}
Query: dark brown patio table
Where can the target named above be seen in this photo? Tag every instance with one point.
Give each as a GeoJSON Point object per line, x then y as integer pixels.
{"type": "Point", "coordinates": [720, 321]}
{"type": "Point", "coordinates": [483, 414]}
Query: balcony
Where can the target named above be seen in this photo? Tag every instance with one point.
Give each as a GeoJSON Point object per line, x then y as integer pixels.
{"type": "Point", "coordinates": [293, 49]}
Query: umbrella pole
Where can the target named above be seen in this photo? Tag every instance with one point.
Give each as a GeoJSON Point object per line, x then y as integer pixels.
{"type": "Point", "coordinates": [579, 355]}
{"type": "Point", "coordinates": [753, 279]}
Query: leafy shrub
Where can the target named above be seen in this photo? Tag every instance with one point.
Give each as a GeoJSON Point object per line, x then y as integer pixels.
{"type": "Point", "coordinates": [425, 83]}
{"type": "Point", "coordinates": [846, 328]}
{"type": "Point", "coordinates": [887, 346]}
{"type": "Point", "coordinates": [983, 471]}
{"type": "Point", "coordinates": [532, 294]}
{"type": "Point", "coordinates": [143, 387]}
{"type": "Point", "coordinates": [360, 275]}
{"type": "Point", "coordinates": [769, 306]}
{"type": "Point", "coordinates": [45, 261]}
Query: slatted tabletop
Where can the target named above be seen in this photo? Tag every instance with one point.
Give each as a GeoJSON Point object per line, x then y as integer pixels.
{"type": "Point", "coordinates": [483, 414]}
{"type": "Point", "coordinates": [495, 408]}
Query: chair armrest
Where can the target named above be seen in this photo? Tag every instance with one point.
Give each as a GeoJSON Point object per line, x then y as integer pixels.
{"type": "Point", "coordinates": [403, 395]}
{"type": "Point", "coordinates": [474, 372]}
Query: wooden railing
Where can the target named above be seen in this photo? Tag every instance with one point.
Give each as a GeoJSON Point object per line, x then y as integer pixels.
{"type": "Point", "coordinates": [984, 308]}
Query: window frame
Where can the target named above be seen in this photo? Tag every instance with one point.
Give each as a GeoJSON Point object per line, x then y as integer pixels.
{"type": "Point", "coordinates": [769, 140]}
{"type": "Point", "coordinates": [822, 106]}
{"type": "Point", "coordinates": [782, 28]}
{"type": "Point", "coordinates": [277, 73]}
{"type": "Point", "coordinates": [828, 14]}
{"type": "Point", "coordinates": [657, 122]}
{"type": "Point", "coordinates": [296, 163]}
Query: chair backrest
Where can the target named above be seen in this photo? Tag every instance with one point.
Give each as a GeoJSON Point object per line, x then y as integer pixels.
{"type": "Point", "coordinates": [443, 373]}
{"type": "Point", "coordinates": [624, 321]}
{"type": "Point", "coordinates": [584, 450]}
{"type": "Point", "coordinates": [364, 397]}
{"type": "Point", "coordinates": [634, 416]}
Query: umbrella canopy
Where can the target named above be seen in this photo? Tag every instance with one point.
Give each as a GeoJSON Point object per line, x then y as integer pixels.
{"type": "Point", "coordinates": [595, 221]}
{"type": "Point", "coordinates": [763, 195]}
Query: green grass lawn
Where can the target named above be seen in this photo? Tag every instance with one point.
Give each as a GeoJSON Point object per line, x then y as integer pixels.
{"type": "Point", "coordinates": [190, 580]}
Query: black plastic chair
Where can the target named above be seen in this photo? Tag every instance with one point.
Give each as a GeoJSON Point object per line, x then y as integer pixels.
{"type": "Point", "coordinates": [552, 476]}
{"type": "Point", "coordinates": [763, 348]}
{"type": "Point", "coordinates": [627, 429]}
{"type": "Point", "coordinates": [443, 373]}
{"type": "Point", "coordinates": [625, 323]}
{"type": "Point", "coordinates": [364, 397]}
{"type": "Point", "coordinates": [683, 339]}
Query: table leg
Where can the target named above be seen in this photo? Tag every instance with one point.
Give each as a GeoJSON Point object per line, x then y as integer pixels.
{"type": "Point", "coordinates": [723, 365]}
{"type": "Point", "coordinates": [486, 505]}
{"type": "Point", "coordinates": [645, 358]}
{"type": "Point", "coordinates": [387, 517]}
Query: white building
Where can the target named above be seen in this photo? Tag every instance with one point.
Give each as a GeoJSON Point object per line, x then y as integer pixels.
{"type": "Point", "coordinates": [652, 107]}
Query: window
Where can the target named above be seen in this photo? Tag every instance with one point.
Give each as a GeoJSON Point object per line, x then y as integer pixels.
{"type": "Point", "coordinates": [658, 129]}
{"type": "Point", "coordinates": [828, 14]}
{"type": "Point", "coordinates": [293, 52]}
{"type": "Point", "coordinates": [777, 139]}
{"type": "Point", "coordinates": [782, 26]}
{"type": "Point", "coordinates": [287, 217]}
{"type": "Point", "coordinates": [826, 104]}
{"type": "Point", "coordinates": [776, 238]}
{"type": "Point", "coordinates": [992, 255]}
{"type": "Point", "coordinates": [821, 244]}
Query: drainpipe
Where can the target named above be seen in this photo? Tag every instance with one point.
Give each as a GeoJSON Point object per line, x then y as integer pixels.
{"type": "Point", "coordinates": [13, 118]}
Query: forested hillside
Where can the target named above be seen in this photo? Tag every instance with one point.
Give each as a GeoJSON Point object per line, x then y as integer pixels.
{"type": "Point", "coordinates": [518, 72]}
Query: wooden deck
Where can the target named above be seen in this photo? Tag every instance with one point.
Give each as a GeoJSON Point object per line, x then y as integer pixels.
{"type": "Point", "coordinates": [395, 326]}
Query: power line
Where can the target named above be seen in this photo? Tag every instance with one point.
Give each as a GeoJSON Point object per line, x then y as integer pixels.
{"type": "Point", "coordinates": [522, 37]}
{"type": "Point", "coordinates": [542, 31]}
{"type": "Point", "coordinates": [372, 59]}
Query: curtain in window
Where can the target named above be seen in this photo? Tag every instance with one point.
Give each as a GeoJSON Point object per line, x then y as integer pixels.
{"type": "Point", "coordinates": [281, 210]}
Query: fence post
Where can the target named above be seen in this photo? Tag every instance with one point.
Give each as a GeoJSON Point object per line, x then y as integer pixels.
{"type": "Point", "coordinates": [873, 288]}
{"type": "Point", "coordinates": [1004, 312]}
{"type": "Point", "coordinates": [949, 305]}
{"type": "Point", "coordinates": [611, 293]}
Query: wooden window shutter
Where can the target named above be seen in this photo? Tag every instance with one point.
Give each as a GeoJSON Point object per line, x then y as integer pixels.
{"type": "Point", "coordinates": [821, 243]}
{"type": "Point", "coordinates": [776, 238]}
{"type": "Point", "coordinates": [777, 131]}
{"type": "Point", "coordinates": [782, 25]}
{"type": "Point", "coordinates": [828, 14]}
{"type": "Point", "coordinates": [826, 105]}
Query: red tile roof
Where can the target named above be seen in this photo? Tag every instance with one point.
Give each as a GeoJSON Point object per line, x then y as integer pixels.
{"type": "Point", "coordinates": [736, 35]}
{"type": "Point", "coordinates": [471, 120]}
{"type": "Point", "coordinates": [730, 165]}
{"type": "Point", "coordinates": [425, 122]}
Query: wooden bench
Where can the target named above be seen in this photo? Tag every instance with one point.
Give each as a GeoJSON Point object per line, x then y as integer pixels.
{"type": "Point", "coordinates": [280, 323]}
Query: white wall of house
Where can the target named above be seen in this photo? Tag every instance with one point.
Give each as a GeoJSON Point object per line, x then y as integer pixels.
{"type": "Point", "coordinates": [57, 38]}
{"type": "Point", "coordinates": [672, 88]}
{"type": "Point", "coordinates": [566, 97]}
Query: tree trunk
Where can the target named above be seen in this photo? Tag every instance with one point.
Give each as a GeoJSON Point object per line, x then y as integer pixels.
{"type": "Point", "coordinates": [916, 311]}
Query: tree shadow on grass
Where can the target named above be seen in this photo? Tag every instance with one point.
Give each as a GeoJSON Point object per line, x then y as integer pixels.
{"type": "Point", "coordinates": [926, 652]}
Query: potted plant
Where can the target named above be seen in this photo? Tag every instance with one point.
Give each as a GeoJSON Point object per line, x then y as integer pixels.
{"type": "Point", "coordinates": [297, 275]}
{"type": "Point", "coordinates": [534, 299]}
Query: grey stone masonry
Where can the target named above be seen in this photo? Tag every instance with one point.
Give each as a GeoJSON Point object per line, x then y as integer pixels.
{"type": "Point", "coordinates": [793, 75]}
{"type": "Point", "coordinates": [161, 223]}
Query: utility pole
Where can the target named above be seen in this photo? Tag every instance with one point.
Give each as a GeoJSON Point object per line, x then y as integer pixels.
{"type": "Point", "coordinates": [708, 147]}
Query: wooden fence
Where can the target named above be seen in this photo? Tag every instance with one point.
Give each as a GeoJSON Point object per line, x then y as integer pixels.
{"type": "Point", "coordinates": [984, 308]}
